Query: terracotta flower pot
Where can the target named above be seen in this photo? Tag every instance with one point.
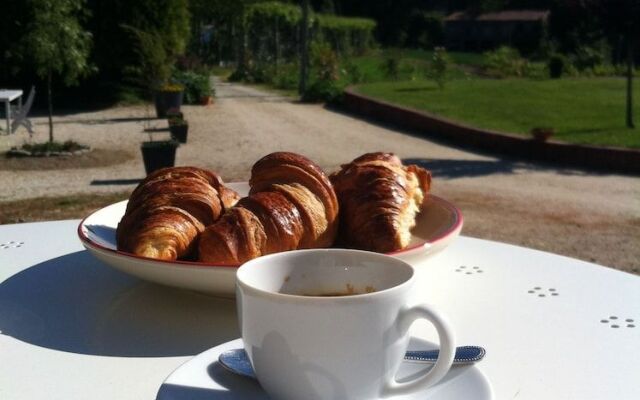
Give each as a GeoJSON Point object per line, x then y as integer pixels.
{"type": "Point", "coordinates": [542, 134]}
{"type": "Point", "coordinates": [206, 100]}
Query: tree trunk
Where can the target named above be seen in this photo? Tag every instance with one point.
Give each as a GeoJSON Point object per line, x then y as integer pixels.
{"type": "Point", "coordinates": [276, 38]}
{"type": "Point", "coordinates": [304, 48]}
{"type": "Point", "coordinates": [50, 103]}
{"type": "Point", "coordinates": [630, 82]}
{"type": "Point", "coordinates": [236, 47]}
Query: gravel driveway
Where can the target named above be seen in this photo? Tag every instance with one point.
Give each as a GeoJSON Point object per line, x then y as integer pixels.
{"type": "Point", "coordinates": [592, 216]}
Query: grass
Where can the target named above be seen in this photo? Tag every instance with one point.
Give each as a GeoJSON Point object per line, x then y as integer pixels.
{"type": "Point", "coordinates": [56, 208]}
{"type": "Point", "coordinates": [581, 110]}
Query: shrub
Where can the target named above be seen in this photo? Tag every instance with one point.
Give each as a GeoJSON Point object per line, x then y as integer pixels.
{"type": "Point", "coordinates": [346, 35]}
{"type": "Point", "coordinates": [171, 87]}
{"type": "Point", "coordinates": [504, 62]}
{"type": "Point", "coordinates": [287, 76]}
{"type": "Point", "coordinates": [536, 70]}
{"type": "Point", "coordinates": [239, 75]}
{"type": "Point", "coordinates": [325, 69]}
{"type": "Point", "coordinates": [413, 69]}
{"type": "Point", "coordinates": [159, 35]}
{"type": "Point", "coordinates": [556, 64]}
{"type": "Point", "coordinates": [611, 70]}
{"type": "Point", "coordinates": [353, 73]}
{"type": "Point", "coordinates": [440, 63]}
{"type": "Point", "coordinates": [261, 73]}
{"type": "Point", "coordinates": [174, 113]}
{"type": "Point", "coordinates": [323, 90]}
{"type": "Point", "coordinates": [54, 146]}
{"type": "Point", "coordinates": [196, 86]}
{"type": "Point", "coordinates": [324, 61]}
{"type": "Point", "coordinates": [391, 67]}
{"type": "Point", "coordinates": [586, 56]}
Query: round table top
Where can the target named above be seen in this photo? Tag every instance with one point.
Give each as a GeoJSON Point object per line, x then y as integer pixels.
{"type": "Point", "coordinates": [10, 94]}
{"type": "Point", "coordinates": [73, 328]}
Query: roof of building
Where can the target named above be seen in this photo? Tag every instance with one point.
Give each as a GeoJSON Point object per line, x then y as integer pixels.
{"type": "Point", "coordinates": [507, 15]}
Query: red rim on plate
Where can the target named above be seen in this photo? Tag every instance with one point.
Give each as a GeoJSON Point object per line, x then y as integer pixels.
{"type": "Point", "coordinates": [441, 236]}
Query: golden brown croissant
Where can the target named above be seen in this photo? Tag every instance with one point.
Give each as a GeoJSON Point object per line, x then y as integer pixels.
{"type": "Point", "coordinates": [291, 205]}
{"type": "Point", "coordinates": [379, 199]}
{"type": "Point", "coordinates": [169, 209]}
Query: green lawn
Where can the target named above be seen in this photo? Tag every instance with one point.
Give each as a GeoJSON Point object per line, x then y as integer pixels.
{"type": "Point", "coordinates": [582, 110]}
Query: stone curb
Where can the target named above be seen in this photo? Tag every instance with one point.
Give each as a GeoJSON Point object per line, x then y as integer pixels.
{"type": "Point", "coordinates": [586, 156]}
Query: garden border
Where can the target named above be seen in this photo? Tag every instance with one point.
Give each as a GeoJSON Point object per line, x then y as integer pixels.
{"type": "Point", "coordinates": [596, 157]}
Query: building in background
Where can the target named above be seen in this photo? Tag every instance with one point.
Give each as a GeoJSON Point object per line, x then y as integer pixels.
{"type": "Point", "coordinates": [523, 29]}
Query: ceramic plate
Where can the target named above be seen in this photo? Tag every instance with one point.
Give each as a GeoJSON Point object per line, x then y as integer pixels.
{"type": "Point", "coordinates": [436, 226]}
{"type": "Point", "coordinates": [203, 377]}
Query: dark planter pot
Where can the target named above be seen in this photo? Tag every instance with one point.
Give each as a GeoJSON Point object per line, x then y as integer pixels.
{"type": "Point", "coordinates": [165, 101]}
{"type": "Point", "coordinates": [179, 132]}
{"type": "Point", "coordinates": [158, 155]}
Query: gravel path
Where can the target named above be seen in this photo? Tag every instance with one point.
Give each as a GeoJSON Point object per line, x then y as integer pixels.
{"type": "Point", "coordinates": [587, 215]}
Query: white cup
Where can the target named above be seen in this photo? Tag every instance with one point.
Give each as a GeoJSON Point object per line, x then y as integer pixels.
{"type": "Point", "coordinates": [303, 345]}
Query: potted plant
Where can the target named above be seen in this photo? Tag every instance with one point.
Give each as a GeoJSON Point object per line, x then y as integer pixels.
{"type": "Point", "coordinates": [206, 93]}
{"type": "Point", "coordinates": [167, 97]}
{"type": "Point", "coordinates": [197, 87]}
{"type": "Point", "coordinates": [158, 154]}
{"type": "Point", "coordinates": [174, 113]}
{"type": "Point", "coordinates": [179, 128]}
{"type": "Point", "coordinates": [542, 134]}
{"type": "Point", "coordinates": [206, 100]}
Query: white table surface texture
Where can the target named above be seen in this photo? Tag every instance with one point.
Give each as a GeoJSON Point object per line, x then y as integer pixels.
{"type": "Point", "coordinates": [73, 328]}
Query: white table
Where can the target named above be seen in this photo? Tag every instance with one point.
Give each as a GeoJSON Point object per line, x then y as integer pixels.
{"type": "Point", "coordinates": [73, 328]}
{"type": "Point", "coordinates": [7, 96]}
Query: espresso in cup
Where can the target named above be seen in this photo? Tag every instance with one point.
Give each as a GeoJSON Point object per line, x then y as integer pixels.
{"type": "Point", "coordinates": [349, 291]}
{"type": "Point", "coordinates": [332, 324]}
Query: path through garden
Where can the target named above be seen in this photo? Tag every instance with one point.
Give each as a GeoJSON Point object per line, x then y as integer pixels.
{"type": "Point", "coordinates": [592, 216]}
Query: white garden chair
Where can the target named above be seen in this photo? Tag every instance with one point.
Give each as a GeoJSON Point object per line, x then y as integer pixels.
{"type": "Point", "coordinates": [22, 114]}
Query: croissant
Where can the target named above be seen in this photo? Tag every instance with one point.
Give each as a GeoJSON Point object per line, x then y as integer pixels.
{"type": "Point", "coordinates": [379, 200]}
{"type": "Point", "coordinates": [169, 209]}
{"type": "Point", "coordinates": [291, 205]}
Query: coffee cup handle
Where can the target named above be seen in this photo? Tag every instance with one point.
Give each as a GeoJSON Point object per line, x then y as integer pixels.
{"type": "Point", "coordinates": [445, 358]}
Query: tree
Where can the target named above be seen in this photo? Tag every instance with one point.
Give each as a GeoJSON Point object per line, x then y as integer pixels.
{"type": "Point", "coordinates": [620, 19]}
{"type": "Point", "coordinates": [57, 44]}
{"type": "Point", "coordinates": [114, 24]}
{"type": "Point", "coordinates": [304, 47]}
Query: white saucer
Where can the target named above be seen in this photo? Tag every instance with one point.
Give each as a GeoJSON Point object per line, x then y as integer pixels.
{"type": "Point", "coordinates": [203, 378]}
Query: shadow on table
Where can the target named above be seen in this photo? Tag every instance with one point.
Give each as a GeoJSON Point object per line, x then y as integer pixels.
{"type": "Point", "coordinates": [75, 303]}
{"type": "Point", "coordinates": [233, 387]}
